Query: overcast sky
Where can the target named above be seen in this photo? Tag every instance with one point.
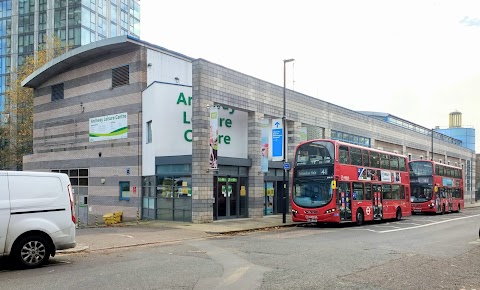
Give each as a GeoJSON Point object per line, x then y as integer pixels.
{"type": "Point", "coordinates": [418, 60]}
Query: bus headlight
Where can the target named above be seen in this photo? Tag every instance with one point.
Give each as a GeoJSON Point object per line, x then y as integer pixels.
{"type": "Point", "coordinates": [329, 211]}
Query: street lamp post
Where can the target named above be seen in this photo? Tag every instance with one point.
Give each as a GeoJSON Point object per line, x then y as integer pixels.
{"type": "Point", "coordinates": [431, 158]}
{"type": "Point", "coordinates": [284, 121]}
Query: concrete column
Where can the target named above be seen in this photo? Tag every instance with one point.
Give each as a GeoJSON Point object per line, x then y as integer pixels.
{"type": "Point", "coordinates": [256, 195]}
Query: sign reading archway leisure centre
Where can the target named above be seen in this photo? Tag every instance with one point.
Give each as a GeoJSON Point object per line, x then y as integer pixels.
{"type": "Point", "coordinates": [108, 127]}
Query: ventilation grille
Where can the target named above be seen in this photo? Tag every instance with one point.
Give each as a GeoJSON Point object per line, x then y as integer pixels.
{"type": "Point", "coordinates": [120, 76]}
{"type": "Point", "coordinates": [57, 92]}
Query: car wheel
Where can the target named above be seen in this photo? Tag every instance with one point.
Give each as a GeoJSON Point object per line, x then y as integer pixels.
{"type": "Point", "coordinates": [31, 252]}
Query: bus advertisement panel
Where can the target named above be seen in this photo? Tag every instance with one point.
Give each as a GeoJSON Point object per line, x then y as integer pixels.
{"type": "Point", "coordinates": [436, 187]}
{"type": "Point", "coordinates": [336, 182]}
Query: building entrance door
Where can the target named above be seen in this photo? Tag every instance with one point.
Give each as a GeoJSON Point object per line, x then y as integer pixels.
{"type": "Point", "coordinates": [226, 197]}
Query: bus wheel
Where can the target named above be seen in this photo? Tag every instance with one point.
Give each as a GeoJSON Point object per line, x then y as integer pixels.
{"type": "Point", "coordinates": [360, 217]}
{"type": "Point", "coordinates": [399, 214]}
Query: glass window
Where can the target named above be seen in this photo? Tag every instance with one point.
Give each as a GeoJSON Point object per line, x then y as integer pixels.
{"type": "Point", "coordinates": [149, 132]}
{"type": "Point", "coordinates": [113, 29]}
{"type": "Point", "coordinates": [316, 152]}
{"type": "Point", "coordinates": [368, 191]}
{"type": "Point", "coordinates": [395, 191]}
{"type": "Point", "coordinates": [74, 16]}
{"type": "Point", "coordinates": [384, 161]}
{"type": "Point", "coordinates": [402, 164]}
{"type": "Point", "coordinates": [356, 155]}
{"type": "Point", "coordinates": [358, 191]}
{"type": "Point", "coordinates": [387, 191]}
{"type": "Point", "coordinates": [309, 193]}
{"type": "Point", "coordinates": [365, 158]}
{"type": "Point", "coordinates": [343, 155]}
{"type": "Point", "coordinates": [374, 159]}
{"type": "Point", "coordinates": [393, 162]}
{"type": "Point", "coordinates": [124, 190]}
{"type": "Point", "coordinates": [113, 13]}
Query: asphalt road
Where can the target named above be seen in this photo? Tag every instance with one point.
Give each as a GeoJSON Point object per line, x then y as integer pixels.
{"type": "Point", "coordinates": [419, 252]}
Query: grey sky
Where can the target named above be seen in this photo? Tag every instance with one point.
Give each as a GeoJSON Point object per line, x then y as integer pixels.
{"type": "Point", "coordinates": [418, 60]}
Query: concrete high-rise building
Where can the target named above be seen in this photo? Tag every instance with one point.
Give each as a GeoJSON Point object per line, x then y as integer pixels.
{"type": "Point", "coordinates": [26, 24]}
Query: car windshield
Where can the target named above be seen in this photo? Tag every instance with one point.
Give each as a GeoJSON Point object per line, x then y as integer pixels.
{"type": "Point", "coordinates": [311, 193]}
{"type": "Point", "coordinates": [421, 193]}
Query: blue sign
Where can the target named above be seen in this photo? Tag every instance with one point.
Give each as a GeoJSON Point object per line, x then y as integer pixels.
{"type": "Point", "coordinates": [286, 166]}
{"type": "Point", "coordinates": [277, 140]}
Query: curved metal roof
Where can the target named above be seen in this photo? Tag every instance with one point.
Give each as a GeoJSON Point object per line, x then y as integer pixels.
{"type": "Point", "coordinates": [85, 52]}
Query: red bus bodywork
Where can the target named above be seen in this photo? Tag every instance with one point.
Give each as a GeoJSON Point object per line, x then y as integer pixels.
{"type": "Point", "coordinates": [360, 189]}
{"type": "Point", "coordinates": [437, 191]}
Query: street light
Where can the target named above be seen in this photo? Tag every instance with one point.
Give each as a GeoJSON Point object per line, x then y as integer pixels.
{"type": "Point", "coordinates": [284, 121]}
{"type": "Point", "coordinates": [431, 158]}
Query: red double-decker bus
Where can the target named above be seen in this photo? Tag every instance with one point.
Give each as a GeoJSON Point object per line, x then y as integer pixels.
{"type": "Point", "coordinates": [335, 182]}
{"type": "Point", "coordinates": [436, 187]}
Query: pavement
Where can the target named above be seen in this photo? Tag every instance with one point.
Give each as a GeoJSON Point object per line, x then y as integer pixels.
{"type": "Point", "coordinates": [151, 232]}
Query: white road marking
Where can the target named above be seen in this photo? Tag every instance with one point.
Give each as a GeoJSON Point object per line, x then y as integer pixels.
{"type": "Point", "coordinates": [431, 224]}
{"type": "Point", "coordinates": [411, 224]}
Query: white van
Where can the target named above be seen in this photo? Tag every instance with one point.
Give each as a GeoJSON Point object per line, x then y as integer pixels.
{"type": "Point", "coordinates": [37, 216]}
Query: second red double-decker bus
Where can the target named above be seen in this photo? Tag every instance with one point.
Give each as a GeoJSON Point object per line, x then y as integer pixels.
{"type": "Point", "coordinates": [336, 182]}
{"type": "Point", "coordinates": [436, 187]}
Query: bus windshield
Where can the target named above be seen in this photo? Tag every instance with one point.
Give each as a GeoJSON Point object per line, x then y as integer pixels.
{"type": "Point", "coordinates": [420, 168]}
{"type": "Point", "coordinates": [421, 193]}
{"type": "Point", "coordinates": [317, 152]}
{"type": "Point", "coordinates": [311, 193]}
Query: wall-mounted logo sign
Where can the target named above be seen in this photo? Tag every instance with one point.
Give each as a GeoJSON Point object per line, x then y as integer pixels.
{"type": "Point", "coordinates": [108, 127]}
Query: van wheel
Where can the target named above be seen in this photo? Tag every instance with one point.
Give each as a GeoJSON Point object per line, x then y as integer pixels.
{"type": "Point", "coordinates": [31, 252]}
{"type": "Point", "coordinates": [398, 216]}
{"type": "Point", "coordinates": [360, 217]}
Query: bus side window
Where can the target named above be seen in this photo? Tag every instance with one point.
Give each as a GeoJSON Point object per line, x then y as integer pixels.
{"type": "Point", "coordinates": [387, 191]}
{"type": "Point", "coordinates": [402, 166]}
{"type": "Point", "coordinates": [393, 162]}
{"type": "Point", "coordinates": [368, 191]}
{"type": "Point", "coordinates": [343, 156]}
{"type": "Point", "coordinates": [358, 192]}
{"type": "Point", "coordinates": [366, 161]}
{"type": "Point", "coordinates": [374, 160]}
{"type": "Point", "coordinates": [395, 191]}
{"type": "Point", "coordinates": [384, 161]}
{"type": "Point", "coordinates": [356, 155]}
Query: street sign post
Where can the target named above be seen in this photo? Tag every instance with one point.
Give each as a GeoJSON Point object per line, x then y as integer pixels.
{"type": "Point", "coordinates": [277, 140]}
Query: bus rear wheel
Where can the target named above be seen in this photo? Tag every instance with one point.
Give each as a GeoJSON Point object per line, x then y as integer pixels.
{"type": "Point", "coordinates": [360, 217]}
{"type": "Point", "coordinates": [398, 216]}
